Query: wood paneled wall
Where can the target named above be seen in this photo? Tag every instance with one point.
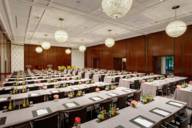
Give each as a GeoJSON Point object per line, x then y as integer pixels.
{"type": "Point", "coordinates": [55, 56]}
{"type": "Point", "coordinates": [140, 51]}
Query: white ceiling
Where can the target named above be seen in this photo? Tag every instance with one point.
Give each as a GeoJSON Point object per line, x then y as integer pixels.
{"type": "Point", "coordinates": [27, 21]}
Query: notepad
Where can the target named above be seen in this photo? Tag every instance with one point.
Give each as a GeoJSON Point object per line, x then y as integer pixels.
{"type": "Point", "coordinates": [112, 94]}
{"type": "Point", "coordinates": [42, 112]}
{"type": "Point", "coordinates": [55, 91]}
{"type": "Point", "coordinates": [71, 105]}
{"type": "Point", "coordinates": [34, 94]}
{"type": "Point", "coordinates": [160, 111]}
{"type": "Point", "coordinates": [3, 99]}
{"type": "Point", "coordinates": [175, 104]}
{"type": "Point", "coordinates": [96, 98]}
{"type": "Point", "coordinates": [144, 122]}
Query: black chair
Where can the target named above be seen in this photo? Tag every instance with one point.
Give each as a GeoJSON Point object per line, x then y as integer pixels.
{"type": "Point", "coordinates": [137, 84]}
{"type": "Point", "coordinates": [137, 95]}
{"type": "Point", "coordinates": [22, 125]}
{"type": "Point", "coordinates": [50, 121]}
{"type": "Point", "coordinates": [165, 90]}
{"type": "Point", "coordinates": [34, 88]}
{"type": "Point", "coordinates": [36, 99]}
{"type": "Point", "coordinates": [168, 125]}
{"type": "Point", "coordinates": [91, 76]}
{"type": "Point", "coordinates": [70, 115]}
{"type": "Point", "coordinates": [102, 78]}
{"type": "Point", "coordinates": [117, 79]}
{"type": "Point", "coordinates": [122, 102]}
{"type": "Point", "coordinates": [182, 121]}
{"type": "Point", "coordinates": [3, 104]}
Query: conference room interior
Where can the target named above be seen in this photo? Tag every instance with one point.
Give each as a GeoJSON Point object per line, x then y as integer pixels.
{"type": "Point", "coordinates": [95, 63]}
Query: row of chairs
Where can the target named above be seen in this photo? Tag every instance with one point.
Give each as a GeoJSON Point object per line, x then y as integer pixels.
{"type": "Point", "coordinates": [180, 121]}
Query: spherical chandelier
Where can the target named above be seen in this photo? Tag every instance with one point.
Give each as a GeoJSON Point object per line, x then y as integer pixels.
{"type": "Point", "coordinates": [109, 42]}
{"type": "Point", "coordinates": [38, 50]}
{"type": "Point", "coordinates": [177, 27]}
{"type": "Point", "coordinates": [116, 8]}
{"type": "Point", "coordinates": [82, 48]}
{"type": "Point", "coordinates": [46, 45]}
{"type": "Point", "coordinates": [68, 51]}
{"type": "Point", "coordinates": [61, 35]}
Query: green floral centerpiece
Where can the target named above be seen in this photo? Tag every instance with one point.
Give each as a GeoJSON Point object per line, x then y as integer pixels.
{"type": "Point", "coordinates": [71, 94]}
{"type": "Point", "coordinates": [104, 114]}
{"type": "Point", "coordinates": [184, 85]}
{"type": "Point", "coordinates": [150, 80]}
{"type": "Point", "coordinates": [146, 99]}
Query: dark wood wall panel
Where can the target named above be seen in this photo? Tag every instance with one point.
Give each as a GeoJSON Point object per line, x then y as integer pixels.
{"type": "Point", "coordinates": [140, 51]}
{"type": "Point", "coordinates": [55, 56]}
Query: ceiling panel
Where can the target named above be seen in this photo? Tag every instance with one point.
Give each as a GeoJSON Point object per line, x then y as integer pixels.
{"type": "Point", "coordinates": [85, 21]}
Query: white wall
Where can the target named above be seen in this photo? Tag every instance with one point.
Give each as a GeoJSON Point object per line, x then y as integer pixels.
{"type": "Point", "coordinates": [163, 65]}
{"type": "Point", "coordinates": [77, 58]}
{"type": "Point", "coordinates": [17, 57]}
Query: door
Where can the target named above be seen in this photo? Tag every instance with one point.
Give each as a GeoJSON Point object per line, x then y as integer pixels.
{"type": "Point", "coordinates": [96, 62]}
{"type": "Point", "coordinates": [117, 63]}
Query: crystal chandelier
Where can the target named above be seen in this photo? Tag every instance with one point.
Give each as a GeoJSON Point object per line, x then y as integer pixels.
{"type": "Point", "coordinates": [46, 45]}
{"type": "Point", "coordinates": [82, 48]}
{"type": "Point", "coordinates": [68, 51]}
{"type": "Point", "coordinates": [116, 8]}
{"type": "Point", "coordinates": [109, 42]}
{"type": "Point", "coordinates": [61, 35]}
{"type": "Point", "coordinates": [39, 49]}
{"type": "Point", "coordinates": [177, 27]}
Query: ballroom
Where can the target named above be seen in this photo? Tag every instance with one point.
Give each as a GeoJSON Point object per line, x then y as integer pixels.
{"type": "Point", "coordinates": [95, 63]}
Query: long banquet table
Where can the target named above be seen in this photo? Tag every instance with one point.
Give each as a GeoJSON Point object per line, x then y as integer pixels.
{"type": "Point", "coordinates": [36, 93]}
{"type": "Point", "coordinates": [126, 115]}
{"type": "Point", "coordinates": [58, 105]}
{"type": "Point", "coordinates": [185, 95]}
{"type": "Point", "coordinates": [44, 84]}
{"type": "Point", "coordinates": [150, 88]}
{"type": "Point", "coordinates": [126, 82]}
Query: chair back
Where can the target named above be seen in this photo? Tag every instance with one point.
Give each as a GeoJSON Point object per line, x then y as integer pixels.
{"type": "Point", "coordinates": [50, 121]}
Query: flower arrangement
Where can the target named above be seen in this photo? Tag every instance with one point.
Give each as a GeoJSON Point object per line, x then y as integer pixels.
{"type": "Point", "coordinates": [97, 89]}
{"type": "Point", "coordinates": [77, 122]}
{"type": "Point", "coordinates": [179, 87]}
{"type": "Point", "coordinates": [146, 99]}
{"type": "Point", "coordinates": [56, 97]}
{"type": "Point", "coordinates": [134, 103]}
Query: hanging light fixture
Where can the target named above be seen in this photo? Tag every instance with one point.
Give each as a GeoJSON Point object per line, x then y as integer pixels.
{"type": "Point", "coordinates": [177, 27]}
{"type": "Point", "coordinates": [109, 42]}
{"type": "Point", "coordinates": [61, 35]}
{"type": "Point", "coordinates": [38, 49]}
{"type": "Point", "coordinates": [68, 51]}
{"type": "Point", "coordinates": [116, 8]}
{"type": "Point", "coordinates": [46, 45]}
{"type": "Point", "coordinates": [82, 48]}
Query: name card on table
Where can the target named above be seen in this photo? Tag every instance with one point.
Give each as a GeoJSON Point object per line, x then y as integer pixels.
{"type": "Point", "coordinates": [96, 98]}
{"type": "Point", "coordinates": [175, 103]}
{"type": "Point", "coordinates": [54, 91]}
{"type": "Point", "coordinates": [112, 94]}
{"type": "Point", "coordinates": [3, 99]}
{"type": "Point", "coordinates": [71, 105]}
{"type": "Point", "coordinates": [34, 94]}
{"type": "Point", "coordinates": [161, 112]}
{"type": "Point", "coordinates": [143, 122]}
{"type": "Point", "coordinates": [40, 112]}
